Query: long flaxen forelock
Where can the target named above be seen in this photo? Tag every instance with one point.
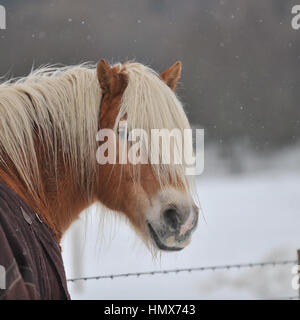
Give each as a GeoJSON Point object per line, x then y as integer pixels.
{"type": "Point", "coordinates": [59, 106]}
{"type": "Point", "coordinates": [148, 103]}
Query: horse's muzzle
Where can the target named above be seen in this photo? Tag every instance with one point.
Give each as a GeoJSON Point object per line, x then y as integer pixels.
{"type": "Point", "coordinates": [174, 231]}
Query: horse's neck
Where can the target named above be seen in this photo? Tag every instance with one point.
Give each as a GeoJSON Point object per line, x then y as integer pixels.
{"type": "Point", "coordinates": [61, 201]}
{"type": "Point", "coordinates": [57, 196]}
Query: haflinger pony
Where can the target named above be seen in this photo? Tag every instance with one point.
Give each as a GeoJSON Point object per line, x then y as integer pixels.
{"type": "Point", "coordinates": [48, 165]}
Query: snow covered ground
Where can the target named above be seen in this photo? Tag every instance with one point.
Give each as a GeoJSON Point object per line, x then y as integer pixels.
{"type": "Point", "coordinates": [249, 217]}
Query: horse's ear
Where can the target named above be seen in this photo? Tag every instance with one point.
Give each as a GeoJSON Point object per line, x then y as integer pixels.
{"type": "Point", "coordinates": [105, 76]}
{"type": "Point", "coordinates": [172, 75]}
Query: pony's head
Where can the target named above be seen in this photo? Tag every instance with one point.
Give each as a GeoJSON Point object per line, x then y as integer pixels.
{"type": "Point", "coordinates": [156, 198]}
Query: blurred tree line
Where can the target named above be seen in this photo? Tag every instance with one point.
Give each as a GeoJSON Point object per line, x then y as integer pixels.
{"type": "Point", "coordinates": [241, 58]}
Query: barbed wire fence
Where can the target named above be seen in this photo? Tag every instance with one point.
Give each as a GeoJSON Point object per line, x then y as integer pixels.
{"type": "Point", "coordinates": [168, 271]}
{"type": "Point", "coordinates": [199, 269]}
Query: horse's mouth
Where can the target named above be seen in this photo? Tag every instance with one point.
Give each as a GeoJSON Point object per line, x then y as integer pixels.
{"type": "Point", "coordinates": [158, 242]}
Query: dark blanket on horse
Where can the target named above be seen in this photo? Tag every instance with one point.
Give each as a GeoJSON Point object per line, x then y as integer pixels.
{"type": "Point", "coordinates": [31, 265]}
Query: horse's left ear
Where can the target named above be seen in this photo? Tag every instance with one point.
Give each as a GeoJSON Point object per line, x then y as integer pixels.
{"type": "Point", "coordinates": [172, 75]}
{"type": "Point", "coordinates": [105, 76]}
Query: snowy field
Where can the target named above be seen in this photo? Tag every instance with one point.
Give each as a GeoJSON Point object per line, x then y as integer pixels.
{"type": "Point", "coordinates": [248, 217]}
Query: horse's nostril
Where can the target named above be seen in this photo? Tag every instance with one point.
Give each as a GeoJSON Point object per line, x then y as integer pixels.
{"type": "Point", "coordinates": [172, 219]}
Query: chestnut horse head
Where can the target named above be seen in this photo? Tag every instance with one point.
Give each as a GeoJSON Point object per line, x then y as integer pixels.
{"type": "Point", "coordinates": [49, 121]}
{"type": "Point", "coordinates": [157, 200]}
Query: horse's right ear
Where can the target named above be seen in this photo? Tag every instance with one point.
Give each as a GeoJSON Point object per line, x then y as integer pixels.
{"type": "Point", "coordinates": [105, 76]}
{"type": "Point", "coordinates": [172, 75]}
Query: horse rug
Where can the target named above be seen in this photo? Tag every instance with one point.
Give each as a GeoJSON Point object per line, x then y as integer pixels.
{"type": "Point", "coordinates": [31, 265]}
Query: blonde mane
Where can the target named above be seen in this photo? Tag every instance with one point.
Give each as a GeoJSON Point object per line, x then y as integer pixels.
{"type": "Point", "coordinates": [57, 104]}
{"type": "Point", "coordinates": [62, 104]}
{"type": "Point", "coordinates": [148, 103]}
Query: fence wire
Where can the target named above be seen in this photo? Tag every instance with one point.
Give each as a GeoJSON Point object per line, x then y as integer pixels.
{"type": "Point", "coordinates": [201, 269]}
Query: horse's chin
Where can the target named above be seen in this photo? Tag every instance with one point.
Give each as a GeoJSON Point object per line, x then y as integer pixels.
{"type": "Point", "coordinates": [161, 244]}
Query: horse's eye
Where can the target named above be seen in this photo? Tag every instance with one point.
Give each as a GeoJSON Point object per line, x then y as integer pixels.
{"type": "Point", "coordinates": [122, 133]}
